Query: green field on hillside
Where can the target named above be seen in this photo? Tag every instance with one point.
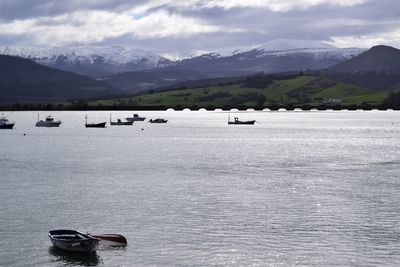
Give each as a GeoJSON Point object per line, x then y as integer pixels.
{"type": "Point", "coordinates": [294, 91]}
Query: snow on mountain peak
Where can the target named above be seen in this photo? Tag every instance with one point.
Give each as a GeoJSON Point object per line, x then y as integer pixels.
{"type": "Point", "coordinates": [83, 54]}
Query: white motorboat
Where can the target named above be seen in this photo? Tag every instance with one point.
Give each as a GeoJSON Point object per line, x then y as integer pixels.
{"type": "Point", "coordinates": [135, 117]}
{"type": "Point", "coordinates": [48, 122]}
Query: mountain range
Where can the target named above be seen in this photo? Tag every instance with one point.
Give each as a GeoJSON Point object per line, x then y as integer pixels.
{"type": "Point", "coordinates": [94, 61]}
{"type": "Point", "coordinates": [102, 62]}
{"type": "Point", "coordinates": [272, 57]}
{"type": "Point", "coordinates": [117, 70]}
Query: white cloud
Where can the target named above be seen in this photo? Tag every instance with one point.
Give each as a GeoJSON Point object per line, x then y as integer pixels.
{"type": "Point", "coordinates": [367, 41]}
{"type": "Point", "coordinates": [95, 26]}
{"type": "Point", "coordinates": [278, 5]}
{"type": "Point", "coordinates": [168, 26]}
{"type": "Point", "coordinates": [162, 24]}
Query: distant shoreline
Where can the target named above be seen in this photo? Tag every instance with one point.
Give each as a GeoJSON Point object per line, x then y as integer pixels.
{"type": "Point", "coordinates": [192, 108]}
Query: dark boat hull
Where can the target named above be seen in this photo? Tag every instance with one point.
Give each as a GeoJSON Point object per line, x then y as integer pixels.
{"type": "Point", "coordinates": [242, 122]}
{"type": "Point", "coordinates": [114, 123]}
{"type": "Point", "coordinates": [135, 119]}
{"type": "Point", "coordinates": [96, 125]}
{"type": "Point", "coordinates": [71, 240]}
{"type": "Point", "coordinates": [48, 124]}
{"type": "Point", "coordinates": [7, 126]}
{"type": "Point", "coordinates": [158, 121]}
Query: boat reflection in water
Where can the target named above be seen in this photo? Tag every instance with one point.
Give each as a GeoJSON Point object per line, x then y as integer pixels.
{"type": "Point", "coordinates": [73, 258]}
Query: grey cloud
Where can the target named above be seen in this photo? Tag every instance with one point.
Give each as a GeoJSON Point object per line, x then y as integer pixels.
{"type": "Point", "coordinates": [239, 26]}
{"type": "Point", "coordinates": [26, 9]}
{"type": "Point", "coordinates": [208, 42]}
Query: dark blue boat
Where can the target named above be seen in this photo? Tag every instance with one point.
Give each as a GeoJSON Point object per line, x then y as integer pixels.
{"type": "Point", "coordinates": [158, 121]}
{"type": "Point", "coordinates": [5, 124]}
{"type": "Point", "coordinates": [72, 240]}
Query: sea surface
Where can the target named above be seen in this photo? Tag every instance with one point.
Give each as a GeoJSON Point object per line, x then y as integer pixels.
{"type": "Point", "coordinates": [295, 189]}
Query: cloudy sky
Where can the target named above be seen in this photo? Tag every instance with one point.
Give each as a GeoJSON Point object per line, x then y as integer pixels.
{"type": "Point", "coordinates": [183, 26]}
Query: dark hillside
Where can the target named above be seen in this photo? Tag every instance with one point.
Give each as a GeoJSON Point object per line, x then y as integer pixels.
{"type": "Point", "coordinates": [24, 80]}
{"type": "Point", "coordinates": [378, 59]}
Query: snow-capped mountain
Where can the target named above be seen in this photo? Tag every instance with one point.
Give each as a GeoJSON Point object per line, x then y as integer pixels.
{"type": "Point", "coordinates": [281, 47]}
{"type": "Point", "coordinates": [280, 55]}
{"type": "Point", "coordinates": [318, 50]}
{"type": "Point", "coordinates": [145, 68]}
{"type": "Point", "coordinates": [90, 60]}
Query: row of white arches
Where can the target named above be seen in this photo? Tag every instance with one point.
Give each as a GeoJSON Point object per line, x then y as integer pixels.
{"type": "Point", "coordinates": [278, 110]}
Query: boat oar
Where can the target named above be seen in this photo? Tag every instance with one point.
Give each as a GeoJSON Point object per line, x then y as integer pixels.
{"type": "Point", "coordinates": [114, 239]}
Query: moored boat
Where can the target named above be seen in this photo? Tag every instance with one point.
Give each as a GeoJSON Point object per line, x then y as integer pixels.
{"type": "Point", "coordinates": [135, 117]}
{"type": "Point", "coordinates": [48, 122]}
{"type": "Point", "coordinates": [237, 121]}
{"type": "Point", "coordinates": [158, 121]}
{"type": "Point", "coordinates": [95, 125]}
{"type": "Point", "coordinates": [5, 124]}
{"type": "Point", "coordinates": [120, 122]}
{"type": "Point", "coordinates": [72, 240]}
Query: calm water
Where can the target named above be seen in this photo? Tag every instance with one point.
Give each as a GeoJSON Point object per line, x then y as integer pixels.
{"type": "Point", "coordinates": [297, 188]}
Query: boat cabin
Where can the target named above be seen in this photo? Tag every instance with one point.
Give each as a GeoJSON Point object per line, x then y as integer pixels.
{"type": "Point", "coordinates": [49, 119]}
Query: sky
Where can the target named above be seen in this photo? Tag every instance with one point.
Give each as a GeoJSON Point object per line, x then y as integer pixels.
{"type": "Point", "coordinates": [177, 27]}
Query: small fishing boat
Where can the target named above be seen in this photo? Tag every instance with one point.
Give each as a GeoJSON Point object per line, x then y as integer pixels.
{"type": "Point", "coordinates": [48, 122]}
{"type": "Point", "coordinates": [158, 121]}
{"type": "Point", "coordinates": [5, 124]}
{"type": "Point", "coordinates": [72, 240]}
{"type": "Point", "coordinates": [237, 121]}
{"type": "Point", "coordinates": [119, 122]}
{"type": "Point", "coordinates": [135, 117]}
{"type": "Point", "coordinates": [95, 125]}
